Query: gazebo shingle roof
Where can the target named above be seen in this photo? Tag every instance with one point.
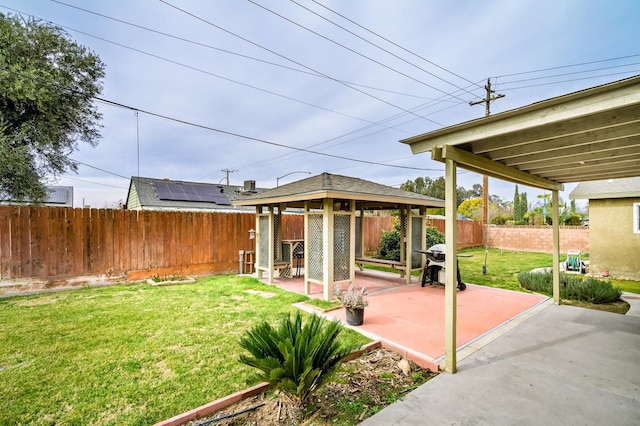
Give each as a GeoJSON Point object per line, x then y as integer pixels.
{"type": "Point", "coordinates": [328, 185]}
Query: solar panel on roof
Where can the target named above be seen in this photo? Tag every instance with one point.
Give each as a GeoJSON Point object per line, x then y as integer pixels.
{"type": "Point", "coordinates": [175, 191]}
{"type": "Point", "coordinates": [57, 195]}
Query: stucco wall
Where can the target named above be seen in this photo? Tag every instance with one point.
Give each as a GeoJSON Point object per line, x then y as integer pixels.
{"type": "Point", "coordinates": [538, 238]}
{"type": "Point", "coordinates": [613, 244]}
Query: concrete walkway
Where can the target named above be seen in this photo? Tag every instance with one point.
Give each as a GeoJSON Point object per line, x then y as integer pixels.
{"type": "Point", "coordinates": [634, 302]}
{"type": "Point", "coordinates": [564, 365]}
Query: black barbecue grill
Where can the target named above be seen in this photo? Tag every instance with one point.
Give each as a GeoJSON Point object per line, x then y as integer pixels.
{"type": "Point", "coordinates": [434, 270]}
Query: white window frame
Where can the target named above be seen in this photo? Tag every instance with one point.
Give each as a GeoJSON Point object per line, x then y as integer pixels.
{"type": "Point", "coordinates": [636, 218]}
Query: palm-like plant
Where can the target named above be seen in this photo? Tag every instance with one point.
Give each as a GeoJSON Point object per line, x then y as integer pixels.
{"type": "Point", "coordinates": [295, 358]}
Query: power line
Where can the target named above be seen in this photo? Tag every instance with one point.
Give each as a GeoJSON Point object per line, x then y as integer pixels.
{"type": "Point", "coordinates": [395, 44]}
{"type": "Point", "coordinates": [227, 172]}
{"type": "Point", "coordinates": [287, 156]}
{"type": "Point", "coordinates": [293, 61]}
{"type": "Point", "coordinates": [383, 49]}
{"type": "Point", "coordinates": [569, 66]}
{"type": "Point", "coordinates": [213, 74]}
{"type": "Point", "coordinates": [229, 52]}
{"type": "Point", "coordinates": [633, 72]}
{"type": "Point", "coordinates": [570, 73]}
{"type": "Point", "coordinates": [346, 47]}
{"type": "Point", "coordinates": [238, 135]}
{"type": "Point", "coordinates": [92, 182]}
{"type": "Point", "coordinates": [98, 168]}
{"type": "Point", "coordinates": [185, 122]}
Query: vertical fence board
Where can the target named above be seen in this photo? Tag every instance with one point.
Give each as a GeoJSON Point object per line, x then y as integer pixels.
{"type": "Point", "coordinates": [5, 243]}
{"type": "Point", "coordinates": [86, 241]}
{"type": "Point", "coordinates": [118, 243]}
{"type": "Point", "coordinates": [151, 219]}
{"type": "Point", "coordinates": [37, 243]}
{"type": "Point", "coordinates": [22, 241]}
{"type": "Point", "coordinates": [108, 251]}
{"type": "Point", "coordinates": [137, 241]}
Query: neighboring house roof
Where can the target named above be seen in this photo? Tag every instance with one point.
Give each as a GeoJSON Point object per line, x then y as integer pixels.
{"type": "Point", "coordinates": [370, 195]}
{"type": "Point", "coordinates": [57, 196]}
{"type": "Point", "coordinates": [165, 194]}
{"type": "Point", "coordinates": [606, 189]}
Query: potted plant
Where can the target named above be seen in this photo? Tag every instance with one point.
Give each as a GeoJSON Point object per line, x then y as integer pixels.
{"type": "Point", "coordinates": [354, 301]}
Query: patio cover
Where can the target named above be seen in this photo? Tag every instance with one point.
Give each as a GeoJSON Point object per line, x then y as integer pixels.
{"type": "Point", "coordinates": [330, 203]}
{"type": "Point", "coordinates": [592, 134]}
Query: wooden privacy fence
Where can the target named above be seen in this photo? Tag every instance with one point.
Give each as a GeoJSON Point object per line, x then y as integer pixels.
{"type": "Point", "coordinates": [469, 231]}
{"type": "Point", "coordinates": [58, 244]}
{"type": "Point", "coordinates": [52, 243]}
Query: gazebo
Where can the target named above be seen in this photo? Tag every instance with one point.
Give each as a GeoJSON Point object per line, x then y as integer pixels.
{"type": "Point", "coordinates": [333, 208]}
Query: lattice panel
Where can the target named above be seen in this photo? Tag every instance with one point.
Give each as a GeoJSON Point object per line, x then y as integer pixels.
{"type": "Point", "coordinates": [416, 238]}
{"type": "Point", "coordinates": [315, 253]}
{"type": "Point", "coordinates": [276, 238]}
{"type": "Point", "coordinates": [358, 237]}
{"type": "Point", "coordinates": [263, 230]}
{"type": "Point", "coordinates": [403, 237]}
{"type": "Point", "coordinates": [341, 247]}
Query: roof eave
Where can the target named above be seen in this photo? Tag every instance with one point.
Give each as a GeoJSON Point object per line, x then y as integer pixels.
{"type": "Point", "coordinates": [321, 195]}
{"type": "Point", "coordinates": [507, 121]}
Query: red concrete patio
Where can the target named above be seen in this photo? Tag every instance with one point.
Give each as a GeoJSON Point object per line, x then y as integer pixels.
{"type": "Point", "coordinates": [410, 318]}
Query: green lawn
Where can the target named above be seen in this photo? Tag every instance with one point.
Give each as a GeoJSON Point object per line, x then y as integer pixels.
{"type": "Point", "coordinates": [503, 267]}
{"type": "Point", "coordinates": [627, 285]}
{"type": "Point", "coordinates": [129, 354]}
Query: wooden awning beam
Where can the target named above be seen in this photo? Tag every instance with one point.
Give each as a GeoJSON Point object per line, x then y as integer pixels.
{"type": "Point", "coordinates": [478, 164]}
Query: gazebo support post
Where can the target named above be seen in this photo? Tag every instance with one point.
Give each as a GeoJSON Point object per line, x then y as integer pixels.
{"type": "Point", "coordinates": [307, 283]}
{"type": "Point", "coordinates": [555, 217]}
{"type": "Point", "coordinates": [408, 253]}
{"type": "Point", "coordinates": [257, 242]}
{"type": "Point", "coordinates": [327, 242]}
{"type": "Point", "coordinates": [360, 249]}
{"type": "Point", "coordinates": [271, 251]}
{"type": "Point", "coordinates": [352, 239]}
{"type": "Point", "coordinates": [451, 284]}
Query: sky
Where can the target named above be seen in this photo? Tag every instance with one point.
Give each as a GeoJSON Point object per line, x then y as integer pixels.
{"type": "Point", "coordinates": [276, 91]}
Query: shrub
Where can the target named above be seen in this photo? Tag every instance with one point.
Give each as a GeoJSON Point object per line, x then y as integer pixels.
{"type": "Point", "coordinates": [352, 298]}
{"type": "Point", "coordinates": [434, 236]}
{"type": "Point", "coordinates": [572, 287]}
{"type": "Point", "coordinates": [295, 358]}
{"type": "Point", "coordinates": [390, 242]}
{"type": "Point", "coordinates": [501, 220]}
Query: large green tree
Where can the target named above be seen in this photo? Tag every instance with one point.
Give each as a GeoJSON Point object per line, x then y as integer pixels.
{"type": "Point", "coordinates": [518, 212]}
{"type": "Point", "coordinates": [436, 188]}
{"type": "Point", "coordinates": [47, 85]}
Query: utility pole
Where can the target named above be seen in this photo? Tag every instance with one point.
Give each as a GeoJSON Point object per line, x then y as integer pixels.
{"type": "Point", "coordinates": [227, 171]}
{"type": "Point", "coordinates": [485, 179]}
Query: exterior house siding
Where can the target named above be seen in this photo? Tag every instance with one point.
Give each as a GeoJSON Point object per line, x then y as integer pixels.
{"type": "Point", "coordinates": [614, 245]}
{"type": "Point", "coordinates": [133, 201]}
